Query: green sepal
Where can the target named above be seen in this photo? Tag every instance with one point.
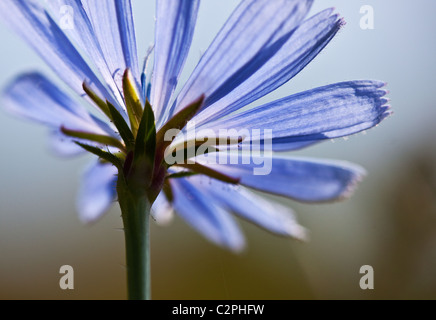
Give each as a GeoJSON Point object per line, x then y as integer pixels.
{"type": "Point", "coordinates": [145, 145]}
{"type": "Point", "coordinates": [178, 121]}
{"type": "Point", "coordinates": [133, 101]}
{"type": "Point", "coordinates": [168, 191]}
{"type": "Point", "coordinates": [96, 99]}
{"type": "Point", "coordinates": [191, 148]}
{"type": "Point", "coordinates": [182, 174]}
{"type": "Point", "coordinates": [146, 139]}
{"type": "Point", "coordinates": [189, 153]}
{"type": "Point", "coordinates": [107, 156]}
{"type": "Point", "coordinates": [199, 168]}
{"type": "Point", "coordinates": [99, 138]}
{"type": "Point", "coordinates": [122, 126]}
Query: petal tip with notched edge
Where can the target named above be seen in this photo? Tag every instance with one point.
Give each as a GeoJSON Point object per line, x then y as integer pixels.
{"type": "Point", "coordinates": [358, 174]}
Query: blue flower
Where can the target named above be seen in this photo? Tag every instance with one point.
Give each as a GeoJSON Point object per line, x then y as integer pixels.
{"type": "Point", "coordinates": [262, 45]}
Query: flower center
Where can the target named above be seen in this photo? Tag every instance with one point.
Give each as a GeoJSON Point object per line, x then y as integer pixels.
{"type": "Point", "coordinates": [138, 149]}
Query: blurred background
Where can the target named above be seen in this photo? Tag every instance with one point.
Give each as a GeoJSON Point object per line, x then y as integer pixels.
{"type": "Point", "coordinates": [389, 223]}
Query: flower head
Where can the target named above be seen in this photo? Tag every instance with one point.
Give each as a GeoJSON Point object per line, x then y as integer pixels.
{"type": "Point", "coordinates": [138, 124]}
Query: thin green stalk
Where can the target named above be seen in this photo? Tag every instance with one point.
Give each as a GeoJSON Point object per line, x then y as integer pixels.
{"type": "Point", "coordinates": [135, 211]}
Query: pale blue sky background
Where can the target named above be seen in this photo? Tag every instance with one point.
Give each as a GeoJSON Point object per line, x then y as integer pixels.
{"type": "Point", "coordinates": [39, 230]}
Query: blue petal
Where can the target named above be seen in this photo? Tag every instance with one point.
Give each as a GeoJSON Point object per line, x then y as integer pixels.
{"type": "Point", "coordinates": [33, 96]}
{"type": "Point", "coordinates": [128, 36]}
{"type": "Point", "coordinates": [97, 191]}
{"type": "Point", "coordinates": [175, 22]}
{"type": "Point", "coordinates": [161, 210]}
{"type": "Point", "coordinates": [327, 112]}
{"type": "Point", "coordinates": [297, 178]}
{"type": "Point", "coordinates": [112, 22]}
{"type": "Point", "coordinates": [200, 211]}
{"type": "Point", "coordinates": [246, 204]}
{"type": "Point", "coordinates": [305, 43]}
{"type": "Point", "coordinates": [30, 20]}
{"type": "Point", "coordinates": [82, 34]}
{"type": "Point", "coordinates": [254, 33]}
{"type": "Point", "coordinates": [288, 144]}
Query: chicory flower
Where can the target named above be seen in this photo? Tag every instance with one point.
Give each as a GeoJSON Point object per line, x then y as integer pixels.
{"type": "Point", "coordinates": [262, 45]}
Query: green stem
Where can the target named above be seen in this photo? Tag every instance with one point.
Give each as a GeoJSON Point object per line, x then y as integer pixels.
{"type": "Point", "coordinates": [135, 211]}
